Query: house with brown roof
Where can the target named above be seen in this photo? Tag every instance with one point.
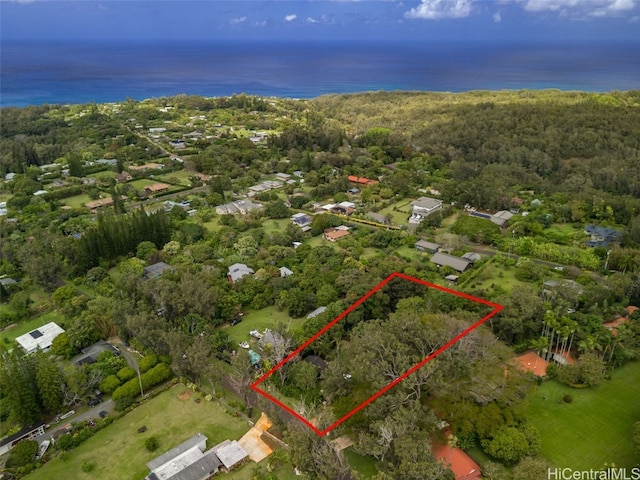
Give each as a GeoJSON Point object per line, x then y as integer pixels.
{"type": "Point", "coordinates": [123, 177]}
{"type": "Point", "coordinates": [147, 166]}
{"type": "Point", "coordinates": [335, 234]}
{"type": "Point", "coordinates": [156, 188]}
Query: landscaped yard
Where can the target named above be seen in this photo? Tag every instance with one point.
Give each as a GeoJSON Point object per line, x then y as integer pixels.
{"type": "Point", "coordinates": [595, 428]}
{"type": "Point", "coordinates": [399, 216]}
{"type": "Point", "coordinates": [180, 177]}
{"type": "Point", "coordinates": [12, 333]}
{"type": "Point", "coordinates": [268, 317]}
{"type": "Point", "coordinates": [365, 466]}
{"type": "Point", "coordinates": [77, 201]}
{"type": "Point", "coordinates": [118, 452]}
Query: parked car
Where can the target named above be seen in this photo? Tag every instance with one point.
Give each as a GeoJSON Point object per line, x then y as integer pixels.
{"type": "Point", "coordinates": [244, 345]}
{"type": "Point", "coordinates": [94, 401]}
{"type": "Point", "coordinates": [236, 321]}
{"type": "Point", "coordinates": [255, 334]}
{"type": "Point", "coordinates": [103, 414]}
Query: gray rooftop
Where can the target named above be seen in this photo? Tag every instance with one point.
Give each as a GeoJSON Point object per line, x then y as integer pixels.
{"type": "Point", "coordinates": [230, 453]}
{"type": "Point", "coordinates": [427, 203]}
{"type": "Point", "coordinates": [427, 245]}
{"type": "Point", "coordinates": [176, 451]}
{"type": "Point", "coordinates": [457, 263]}
{"type": "Point", "coordinates": [156, 270]}
{"type": "Point", "coordinates": [317, 312]}
{"type": "Point", "coordinates": [239, 270]}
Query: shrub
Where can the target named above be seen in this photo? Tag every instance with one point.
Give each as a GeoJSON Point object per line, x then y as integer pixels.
{"type": "Point", "coordinates": [109, 384]}
{"type": "Point", "coordinates": [88, 466]}
{"type": "Point", "coordinates": [146, 363]}
{"type": "Point", "coordinates": [22, 453]}
{"type": "Point", "coordinates": [126, 373]}
{"type": "Point", "coordinates": [151, 444]}
{"type": "Point", "coordinates": [123, 403]}
{"type": "Point", "coordinates": [567, 399]}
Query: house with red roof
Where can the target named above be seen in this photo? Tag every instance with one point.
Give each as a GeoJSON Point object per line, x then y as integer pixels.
{"type": "Point", "coordinates": [361, 180]}
{"type": "Point", "coordinates": [461, 464]}
{"type": "Point", "coordinates": [532, 362]}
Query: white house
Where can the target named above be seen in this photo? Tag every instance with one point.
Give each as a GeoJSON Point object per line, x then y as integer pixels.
{"type": "Point", "coordinates": [40, 338]}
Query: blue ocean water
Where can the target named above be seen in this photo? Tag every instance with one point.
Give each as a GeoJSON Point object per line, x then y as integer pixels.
{"type": "Point", "coordinates": [37, 73]}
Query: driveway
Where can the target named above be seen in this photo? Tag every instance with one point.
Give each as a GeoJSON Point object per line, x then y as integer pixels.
{"type": "Point", "coordinates": [92, 413]}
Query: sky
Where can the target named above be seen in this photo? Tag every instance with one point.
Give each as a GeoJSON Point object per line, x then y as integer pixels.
{"type": "Point", "coordinates": [322, 20]}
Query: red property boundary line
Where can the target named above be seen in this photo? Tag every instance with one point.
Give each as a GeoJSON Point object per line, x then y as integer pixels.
{"type": "Point", "coordinates": [255, 386]}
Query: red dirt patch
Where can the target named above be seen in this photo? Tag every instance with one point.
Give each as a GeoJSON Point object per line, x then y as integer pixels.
{"type": "Point", "coordinates": [184, 395]}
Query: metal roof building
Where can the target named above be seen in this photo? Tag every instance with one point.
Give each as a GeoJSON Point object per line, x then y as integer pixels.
{"type": "Point", "coordinates": [40, 338]}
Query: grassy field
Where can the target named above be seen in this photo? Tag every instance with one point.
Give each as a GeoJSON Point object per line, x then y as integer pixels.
{"type": "Point", "coordinates": [400, 216]}
{"type": "Point", "coordinates": [106, 174]}
{"type": "Point", "coordinates": [11, 334]}
{"type": "Point", "coordinates": [77, 200]}
{"type": "Point", "coordinates": [181, 177]}
{"type": "Point", "coordinates": [595, 428]}
{"type": "Point", "coordinates": [273, 226]}
{"type": "Point", "coordinates": [118, 451]}
{"type": "Point", "coordinates": [495, 277]}
{"type": "Point", "coordinates": [268, 317]}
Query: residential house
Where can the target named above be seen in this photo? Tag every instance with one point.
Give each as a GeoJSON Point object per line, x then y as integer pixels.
{"type": "Point", "coordinates": [361, 180]}
{"type": "Point", "coordinates": [457, 263]}
{"type": "Point", "coordinates": [283, 176]}
{"type": "Point", "coordinates": [237, 271]}
{"type": "Point", "coordinates": [96, 204]}
{"type": "Point", "coordinates": [90, 354]}
{"type": "Point", "coordinates": [302, 220]}
{"type": "Point", "coordinates": [317, 312]}
{"type": "Point", "coordinates": [39, 339]}
{"type": "Point", "coordinates": [7, 282]}
{"type": "Point", "coordinates": [499, 218]}
{"type": "Point", "coordinates": [423, 207]}
{"type": "Point", "coordinates": [473, 257]}
{"type": "Point", "coordinates": [285, 272]}
{"type": "Point", "coordinates": [378, 218]}
{"type": "Point", "coordinates": [601, 236]}
{"type": "Point", "coordinates": [335, 234]}
{"type": "Point", "coordinates": [532, 362]}
{"type": "Point", "coordinates": [156, 188]}
{"type": "Point", "coordinates": [424, 246]}
{"type": "Point", "coordinates": [241, 207]}
{"type": "Point", "coordinates": [461, 464]}
{"type": "Point", "coordinates": [230, 453]}
{"type": "Point", "coordinates": [27, 433]}
{"type": "Point", "coordinates": [123, 177]}
{"type": "Point", "coordinates": [156, 270]}
{"type": "Point", "coordinates": [187, 461]}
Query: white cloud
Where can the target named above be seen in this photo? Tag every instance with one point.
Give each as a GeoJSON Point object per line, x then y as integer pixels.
{"type": "Point", "coordinates": [437, 9]}
{"type": "Point", "coordinates": [237, 20]}
{"type": "Point", "coordinates": [290, 18]}
{"type": "Point", "coordinates": [497, 17]}
{"type": "Point", "coordinates": [312, 20]}
{"type": "Point", "coordinates": [580, 8]}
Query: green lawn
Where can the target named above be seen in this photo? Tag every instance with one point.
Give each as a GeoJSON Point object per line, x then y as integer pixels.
{"type": "Point", "coordinates": [363, 465]}
{"type": "Point", "coordinates": [495, 277]}
{"type": "Point", "coordinates": [106, 174]}
{"type": "Point", "coordinates": [268, 317]}
{"type": "Point", "coordinates": [181, 177]}
{"type": "Point", "coordinates": [22, 328]}
{"type": "Point", "coordinates": [118, 451]}
{"type": "Point", "coordinates": [399, 216]}
{"type": "Point", "coordinates": [273, 226]}
{"type": "Point", "coordinates": [77, 201]}
{"type": "Point", "coordinates": [595, 428]}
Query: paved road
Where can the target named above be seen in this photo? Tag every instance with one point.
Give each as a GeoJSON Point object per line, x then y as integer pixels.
{"type": "Point", "coordinates": [93, 412]}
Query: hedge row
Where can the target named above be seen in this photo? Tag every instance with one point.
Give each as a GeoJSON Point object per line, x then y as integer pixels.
{"type": "Point", "coordinates": [156, 375]}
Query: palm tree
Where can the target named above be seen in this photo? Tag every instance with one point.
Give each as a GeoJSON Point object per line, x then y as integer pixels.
{"type": "Point", "coordinates": [540, 345]}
